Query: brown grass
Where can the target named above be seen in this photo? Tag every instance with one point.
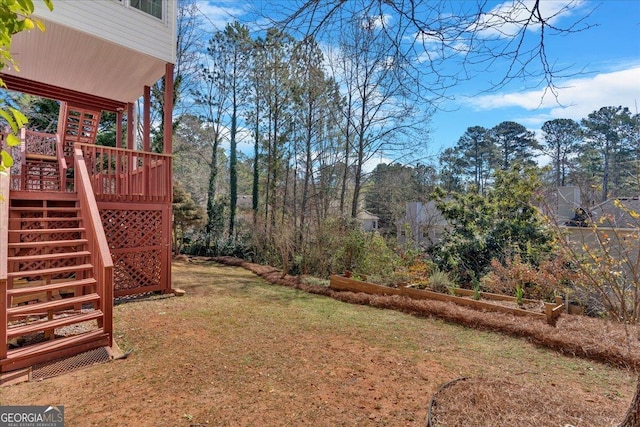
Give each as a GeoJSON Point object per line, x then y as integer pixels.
{"type": "Point", "coordinates": [238, 351]}
{"type": "Point", "coordinates": [594, 339]}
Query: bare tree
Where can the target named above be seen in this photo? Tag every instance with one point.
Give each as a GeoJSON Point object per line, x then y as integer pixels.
{"type": "Point", "coordinates": [449, 41]}
{"type": "Point", "coordinates": [379, 106]}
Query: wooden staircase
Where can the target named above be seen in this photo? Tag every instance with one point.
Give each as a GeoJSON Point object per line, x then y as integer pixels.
{"type": "Point", "coordinates": [54, 306]}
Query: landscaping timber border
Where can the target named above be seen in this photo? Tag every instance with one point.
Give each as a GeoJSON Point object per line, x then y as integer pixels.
{"type": "Point", "coordinates": [550, 315]}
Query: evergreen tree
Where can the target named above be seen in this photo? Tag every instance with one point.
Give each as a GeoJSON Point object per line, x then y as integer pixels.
{"type": "Point", "coordinates": [610, 149]}
{"type": "Point", "coordinates": [514, 143]}
{"type": "Point", "coordinates": [561, 137]}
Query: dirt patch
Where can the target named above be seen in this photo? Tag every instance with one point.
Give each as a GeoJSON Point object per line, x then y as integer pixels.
{"type": "Point", "coordinates": [237, 351]}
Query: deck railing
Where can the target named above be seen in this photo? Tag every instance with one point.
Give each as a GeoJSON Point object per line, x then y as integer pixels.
{"type": "Point", "coordinates": [97, 242]}
{"type": "Point", "coordinates": [121, 175]}
{"type": "Point", "coordinates": [4, 249]}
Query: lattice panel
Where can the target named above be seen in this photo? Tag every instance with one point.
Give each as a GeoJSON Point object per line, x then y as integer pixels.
{"type": "Point", "coordinates": [40, 143]}
{"type": "Point", "coordinates": [136, 269]}
{"type": "Point", "coordinates": [81, 125]}
{"type": "Point", "coordinates": [132, 228]}
{"type": "Point", "coordinates": [16, 169]}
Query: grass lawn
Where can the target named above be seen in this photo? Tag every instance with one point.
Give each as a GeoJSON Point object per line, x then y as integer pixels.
{"type": "Point", "coordinates": [237, 351]}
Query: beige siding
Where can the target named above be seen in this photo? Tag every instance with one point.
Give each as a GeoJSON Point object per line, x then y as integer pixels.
{"type": "Point", "coordinates": [110, 20]}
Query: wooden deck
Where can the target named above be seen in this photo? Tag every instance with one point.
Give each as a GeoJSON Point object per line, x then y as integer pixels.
{"type": "Point", "coordinates": [76, 229]}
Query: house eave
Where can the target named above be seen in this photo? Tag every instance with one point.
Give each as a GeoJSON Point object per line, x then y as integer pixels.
{"type": "Point", "coordinates": [72, 60]}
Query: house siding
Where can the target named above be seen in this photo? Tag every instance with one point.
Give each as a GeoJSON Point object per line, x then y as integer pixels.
{"type": "Point", "coordinates": [110, 20]}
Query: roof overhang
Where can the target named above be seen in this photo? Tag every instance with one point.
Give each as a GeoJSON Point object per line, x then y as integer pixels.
{"type": "Point", "coordinates": [72, 63]}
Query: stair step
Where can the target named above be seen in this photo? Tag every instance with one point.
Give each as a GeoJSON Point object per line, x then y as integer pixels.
{"type": "Point", "coordinates": [44, 351]}
{"type": "Point", "coordinates": [44, 209]}
{"type": "Point", "coordinates": [46, 219]}
{"type": "Point", "coordinates": [50, 287]}
{"type": "Point", "coordinates": [45, 257]}
{"type": "Point", "coordinates": [48, 230]}
{"type": "Point", "coordinates": [50, 271]}
{"type": "Point", "coordinates": [52, 305]}
{"type": "Point", "coordinates": [51, 324]}
{"type": "Point", "coordinates": [20, 197]}
{"type": "Point", "coordinates": [44, 243]}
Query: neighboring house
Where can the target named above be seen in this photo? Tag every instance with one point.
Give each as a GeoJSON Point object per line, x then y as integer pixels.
{"type": "Point", "coordinates": [619, 213]}
{"type": "Point", "coordinates": [81, 223]}
{"type": "Point", "coordinates": [368, 221]}
{"type": "Point", "coordinates": [568, 203]}
{"type": "Point", "coordinates": [423, 225]}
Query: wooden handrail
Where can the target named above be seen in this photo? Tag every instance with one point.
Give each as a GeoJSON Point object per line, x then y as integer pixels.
{"type": "Point", "coordinates": [5, 182]}
{"type": "Point", "coordinates": [97, 241]}
{"type": "Point", "coordinates": [124, 175]}
{"type": "Point", "coordinates": [62, 163]}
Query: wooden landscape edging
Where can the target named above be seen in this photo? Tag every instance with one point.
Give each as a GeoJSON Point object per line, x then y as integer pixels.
{"type": "Point", "coordinates": [552, 311]}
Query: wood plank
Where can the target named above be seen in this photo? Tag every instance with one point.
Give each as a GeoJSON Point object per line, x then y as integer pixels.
{"type": "Point", "coordinates": [52, 350]}
{"type": "Point", "coordinates": [51, 305]}
{"type": "Point", "coordinates": [5, 183]}
{"type": "Point", "coordinates": [44, 157]}
{"type": "Point", "coordinates": [46, 219]}
{"type": "Point", "coordinates": [48, 230]}
{"type": "Point", "coordinates": [492, 296]}
{"type": "Point", "coordinates": [42, 196]}
{"type": "Point", "coordinates": [52, 324]}
{"type": "Point", "coordinates": [343, 283]}
{"type": "Point", "coordinates": [48, 257]}
{"type": "Point", "coordinates": [51, 287]}
{"type": "Point", "coordinates": [45, 243]}
{"type": "Point", "coordinates": [49, 271]}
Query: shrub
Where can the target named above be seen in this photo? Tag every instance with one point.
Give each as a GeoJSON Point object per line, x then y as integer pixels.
{"type": "Point", "coordinates": [439, 281]}
{"type": "Point", "coordinates": [496, 226]}
{"type": "Point", "coordinates": [543, 282]}
{"type": "Point", "coordinates": [378, 259]}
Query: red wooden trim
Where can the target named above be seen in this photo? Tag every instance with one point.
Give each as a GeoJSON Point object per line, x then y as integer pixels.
{"type": "Point", "coordinates": [62, 163]}
{"type": "Point", "coordinates": [62, 347]}
{"type": "Point", "coordinates": [119, 129]}
{"type": "Point", "coordinates": [165, 279]}
{"type": "Point", "coordinates": [5, 182]}
{"type": "Point", "coordinates": [168, 109]}
{"type": "Point", "coordinates": [78, 99]}
{"type": "Point", "coordinates": [130, 126]}
{"type": "Point", "coordinates": [138, 290]}
{"type": "Point", "coordinates": [120, 175]}
{"type": "Point", "coordinates": [146, 120]}
{"type": "Point", "coordinates": [98, 245]}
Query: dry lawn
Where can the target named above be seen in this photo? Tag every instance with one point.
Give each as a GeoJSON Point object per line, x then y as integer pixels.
{"type": "Point", "coordinates": [238, 351]}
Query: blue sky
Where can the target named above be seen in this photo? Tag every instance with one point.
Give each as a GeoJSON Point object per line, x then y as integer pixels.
{"type": "Point", "coordinates": [602, 64]}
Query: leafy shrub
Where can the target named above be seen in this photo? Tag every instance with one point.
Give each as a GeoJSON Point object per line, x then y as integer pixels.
{"type": "Point", "coordinates": [439, 281]}
{"type": "Point", "coordinates": [537, 282]}
{"type": "Point", "coordinates": [497, 225]}
{"type": "Point", "coordinates": [378, 258]}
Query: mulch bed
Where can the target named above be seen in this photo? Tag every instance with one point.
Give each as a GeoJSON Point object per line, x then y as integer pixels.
{"type": "Point", "coordinates": [594, 339]}
{"type": "Point", "coordinates": [489, 402]}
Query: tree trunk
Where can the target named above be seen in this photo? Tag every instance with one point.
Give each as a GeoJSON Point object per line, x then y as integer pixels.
{"type": "Point", "coordinates": [632, 419]}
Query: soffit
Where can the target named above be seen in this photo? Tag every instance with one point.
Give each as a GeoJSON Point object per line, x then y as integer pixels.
{"type": "Point", "coordinates": [78, 62]}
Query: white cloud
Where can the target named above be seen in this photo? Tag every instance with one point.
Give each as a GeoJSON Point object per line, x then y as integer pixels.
{"type": "Point", "coordinates": [504, 21]}
{"type": "Point", "coordinates": [576, 98]}
{"type": "Point", "coordinates": [508, 19]}
{"type": "Point", "coordinates": [370, 164]}
{"type": "Point", "coordinates": [221, 13]}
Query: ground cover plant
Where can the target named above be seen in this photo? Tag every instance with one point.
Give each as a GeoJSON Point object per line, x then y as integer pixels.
{"type": "Point", "coordinates": [237, 351]}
